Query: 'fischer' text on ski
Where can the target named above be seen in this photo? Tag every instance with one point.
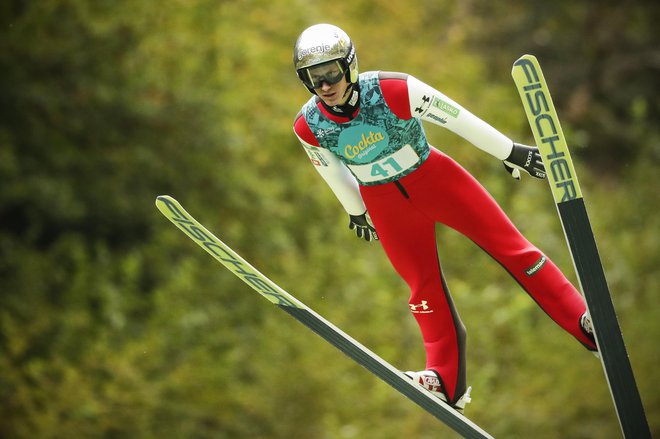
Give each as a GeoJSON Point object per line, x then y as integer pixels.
{"type": "Point", "coordinates": [548, 131]}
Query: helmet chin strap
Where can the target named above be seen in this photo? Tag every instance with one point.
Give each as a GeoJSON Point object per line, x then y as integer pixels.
{"type": "Point", "coordinates": [349, 89]}
{"type": "Point", "coordinates": [348, 108]}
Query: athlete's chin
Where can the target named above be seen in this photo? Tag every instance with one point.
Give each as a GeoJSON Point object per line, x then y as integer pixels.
{"type": "Point", "coordinates": [330, 99]}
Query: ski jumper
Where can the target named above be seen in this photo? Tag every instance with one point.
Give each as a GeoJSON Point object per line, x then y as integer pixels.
{"type": "Point", "coordinates": [378, 160]}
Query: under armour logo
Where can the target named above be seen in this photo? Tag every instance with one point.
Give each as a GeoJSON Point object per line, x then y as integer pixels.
{"type": "Point", "coordinates": [422, 305]}
{"type": "Point", "coordinates": [426, 100]}
{"type": "Point", "coordinates": [420, 308]}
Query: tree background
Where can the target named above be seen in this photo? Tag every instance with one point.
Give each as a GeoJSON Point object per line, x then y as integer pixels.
{"type": "Point", "coordinates": [114, 325]}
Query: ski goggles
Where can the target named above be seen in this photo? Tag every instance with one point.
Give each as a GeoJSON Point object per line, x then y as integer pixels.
{"type": "Point", "coordinates": [329, 72]}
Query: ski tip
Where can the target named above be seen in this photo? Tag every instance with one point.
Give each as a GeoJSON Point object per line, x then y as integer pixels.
{"type": "Point", "coordinates": [524, 62]}
{"type": "Point", "coordinates": [525, 59]}
{"type": "Point", "coordinates": [163, 198]}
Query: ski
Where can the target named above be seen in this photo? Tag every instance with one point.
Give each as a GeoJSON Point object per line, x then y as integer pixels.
{"type": "Point", "coordinates": [169, 207]}
{"type": "Point", "coordinates": [567, 194]}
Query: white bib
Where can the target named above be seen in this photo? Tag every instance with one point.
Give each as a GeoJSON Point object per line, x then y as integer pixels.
{"type": "Point", "coordinates": [386, 167]}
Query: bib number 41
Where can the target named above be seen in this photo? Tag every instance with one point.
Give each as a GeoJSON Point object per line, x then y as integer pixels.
{"type": "Point", "coordinates": [385, 168]}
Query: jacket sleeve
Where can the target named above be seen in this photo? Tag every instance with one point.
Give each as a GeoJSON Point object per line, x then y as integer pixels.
{"type": "Point", "coordinates": [429, 104]}
{"type": "Point", "coordinates": [342, 183]}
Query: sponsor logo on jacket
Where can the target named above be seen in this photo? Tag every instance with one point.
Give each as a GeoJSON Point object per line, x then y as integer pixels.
{"type": "Point", "coordinates": [364, 146]}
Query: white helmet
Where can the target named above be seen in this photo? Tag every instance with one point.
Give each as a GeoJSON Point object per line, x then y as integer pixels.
{"type": "Point", "coordinates": [324, 44]}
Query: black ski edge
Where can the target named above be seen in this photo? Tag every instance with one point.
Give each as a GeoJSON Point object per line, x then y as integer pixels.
{"type": "Point", "coordinates": [610, 341]}
{"type": "Point", "coordinates": [455, 420]}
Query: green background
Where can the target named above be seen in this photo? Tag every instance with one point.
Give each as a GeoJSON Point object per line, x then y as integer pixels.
{"type": "Point", "coordinates": [115, 325]}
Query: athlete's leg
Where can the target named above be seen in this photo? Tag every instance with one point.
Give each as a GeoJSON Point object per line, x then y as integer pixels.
{"type": "Point", "coordinates": [467, 207]}
{"type": "Point", "coordinates": [408, 238]}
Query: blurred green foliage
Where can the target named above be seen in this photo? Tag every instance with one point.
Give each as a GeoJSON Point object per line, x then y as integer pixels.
{"type": "Point", "coordinates": [114, 325]}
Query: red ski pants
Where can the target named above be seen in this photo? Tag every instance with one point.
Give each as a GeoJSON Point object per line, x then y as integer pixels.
{"type": "Point", "coordinates": [405, 213]}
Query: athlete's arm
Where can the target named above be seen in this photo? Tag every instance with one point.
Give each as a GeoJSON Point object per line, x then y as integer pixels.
{"type": "Point", "coordinates": [409, 97]}
{"type": "Point", "coordinates": [333, 171]}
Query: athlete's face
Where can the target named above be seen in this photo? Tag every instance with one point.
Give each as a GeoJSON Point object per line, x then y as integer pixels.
{"type": "Point", "coordinates": [331, 94]}
{"type": "Point", "coordinates": [334, 94]}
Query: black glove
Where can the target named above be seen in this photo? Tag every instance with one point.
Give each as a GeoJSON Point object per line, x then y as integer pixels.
{"type": "Point", "coordinates": [527, 158]}
{"type": "Point", "coordinates": [363, 226]}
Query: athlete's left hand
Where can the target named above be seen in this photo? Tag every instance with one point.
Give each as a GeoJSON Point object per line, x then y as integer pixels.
{"type": "Point", "coordinates": [526, 158]}
{"type": "Point", "coordinates": [363, 227]}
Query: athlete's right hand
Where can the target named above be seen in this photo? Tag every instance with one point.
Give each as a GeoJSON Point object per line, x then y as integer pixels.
{"type": "Point", "coordinates": [526, 158]}
{"type": "Point", "coordinates": [363, 227]}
